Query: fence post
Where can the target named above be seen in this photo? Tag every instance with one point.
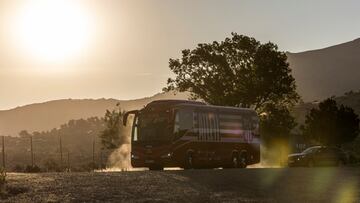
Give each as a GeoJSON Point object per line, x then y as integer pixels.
{"type": "Point", "coordinates": [93, 154]}
{"type": "Point", "coordinates": [32, 152]}
{"type": "Point", "coordinates": [3, 152]}
{"type": "Point", "coordinates": [61, 155]}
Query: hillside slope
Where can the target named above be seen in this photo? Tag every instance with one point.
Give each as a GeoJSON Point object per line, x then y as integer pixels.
{"type": "Point", "coordinates": [48, 115]}
{"type": "Point", "coordinates": [326, 72]}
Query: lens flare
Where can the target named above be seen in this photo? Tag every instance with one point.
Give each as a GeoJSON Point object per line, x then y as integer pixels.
{"type": "Point", "coordinates": [52, 30]}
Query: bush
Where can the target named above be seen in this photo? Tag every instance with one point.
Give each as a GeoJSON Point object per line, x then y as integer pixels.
{"type": "Point", "coordinates": [32, 169]}
{"type": "Point", "coordinates": [51, 165]}
{"type": "Point", "coordinates": [18, 168]}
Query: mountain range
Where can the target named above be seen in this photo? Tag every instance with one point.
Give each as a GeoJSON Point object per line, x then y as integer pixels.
{"type": "Point", "coordinates": [327, 72]}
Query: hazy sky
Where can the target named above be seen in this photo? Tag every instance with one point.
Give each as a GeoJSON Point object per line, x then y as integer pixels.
{"type": "Point", "coordinates": [120, 49]}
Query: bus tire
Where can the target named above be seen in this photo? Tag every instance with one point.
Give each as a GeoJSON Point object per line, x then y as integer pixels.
{"type": "Point", "coordinates": [189, 161]}
{"type": "Point", "coordinates": [235, 160]}
{"type": "Point", "coordinates": [243, 160]}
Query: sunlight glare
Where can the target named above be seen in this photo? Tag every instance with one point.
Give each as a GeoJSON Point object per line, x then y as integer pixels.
{"type": "Point", "coordinates": [53, 30]}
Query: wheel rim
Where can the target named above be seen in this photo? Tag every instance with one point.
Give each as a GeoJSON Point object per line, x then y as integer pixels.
{"type": "Point", "coordinates": [190, 161]}
{"type": "Point", "coordinates": [243, 162]}
{"type": "Point", "coordinates": [235, 162]}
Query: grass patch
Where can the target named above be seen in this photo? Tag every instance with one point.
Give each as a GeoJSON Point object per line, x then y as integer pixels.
{"type": "Point", "coordinates": [6, 190]}
{"type": "Point", "coordinates": [2, 182]}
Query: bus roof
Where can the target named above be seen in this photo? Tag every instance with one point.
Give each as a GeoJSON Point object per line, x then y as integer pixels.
{"type": "Point", "coordinates": [174, 102]}
{"type": "Point", "coordinates": [197, 105]}
{"type": "Point", "coordinates": [219, 108]}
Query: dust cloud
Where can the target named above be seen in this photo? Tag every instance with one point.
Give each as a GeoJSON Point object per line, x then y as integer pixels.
{"type": "Point", "coordinates": [120, 158]}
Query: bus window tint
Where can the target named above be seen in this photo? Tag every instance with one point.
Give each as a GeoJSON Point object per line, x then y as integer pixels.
{"type": "Point", "coordinates": [183, 122]}
{"type": "Point", "coordinates": [176, 123]}
{"type": "Point", "coordinates": [185, 119]}
{"type": "Point", "coordinates": [153, 126]}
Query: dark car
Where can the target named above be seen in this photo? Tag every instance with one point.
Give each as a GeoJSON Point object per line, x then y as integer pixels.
{"type": "Point", "coordinates": [318, 156]}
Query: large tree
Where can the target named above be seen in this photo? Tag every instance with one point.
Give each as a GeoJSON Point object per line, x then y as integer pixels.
{"type": "Point", "coordinates": [331, 124]}
{"type": "Point", "coordinates": [239, 71]}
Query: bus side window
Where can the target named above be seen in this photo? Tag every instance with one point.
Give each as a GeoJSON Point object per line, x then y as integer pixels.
{"type": "Point", "coordinates": [186, 118]}
{"type": "Point", "coordinates": [176, 122]}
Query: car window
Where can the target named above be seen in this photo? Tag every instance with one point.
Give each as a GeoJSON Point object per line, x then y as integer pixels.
{"type": "Point", "coordinates": [310, 150]}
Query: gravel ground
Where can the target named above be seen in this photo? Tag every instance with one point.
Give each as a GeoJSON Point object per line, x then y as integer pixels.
{"type": "Point", "coordinates": [231, 185]}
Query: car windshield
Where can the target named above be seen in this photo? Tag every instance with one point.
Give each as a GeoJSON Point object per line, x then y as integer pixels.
{"type": "Point", "coordinates": [310, 150]}
{"type": "Point", "coordinates": [154, 126]}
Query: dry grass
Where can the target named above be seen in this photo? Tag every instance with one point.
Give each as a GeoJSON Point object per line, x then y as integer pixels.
{"type": "Point", "coordinates": [232, 185]}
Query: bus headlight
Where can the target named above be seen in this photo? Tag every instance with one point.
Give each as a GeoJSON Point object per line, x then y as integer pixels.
{"type": "Point", "coordinates": [168, 155]}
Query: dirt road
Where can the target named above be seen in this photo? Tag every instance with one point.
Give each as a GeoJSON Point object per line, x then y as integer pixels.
{"type": "Point", "coordinates": [232, 185]}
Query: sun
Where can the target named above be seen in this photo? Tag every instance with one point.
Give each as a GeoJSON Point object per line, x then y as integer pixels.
{"type": "Point", "coordinates": [53, 30]}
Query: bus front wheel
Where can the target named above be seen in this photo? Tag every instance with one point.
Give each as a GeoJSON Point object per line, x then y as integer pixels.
{"type": "Point", "coordinates": [189, 161]}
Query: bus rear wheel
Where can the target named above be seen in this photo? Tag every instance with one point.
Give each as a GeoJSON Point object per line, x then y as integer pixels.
{"type": "Point", "coordinates": [239, 161]}
{"type": "Point", "coordinates": [243, 160]}
{"type": "Point", "coordinates": [235, 161]}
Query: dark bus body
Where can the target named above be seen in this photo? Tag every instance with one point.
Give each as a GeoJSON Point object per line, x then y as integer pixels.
{"type": "Point", "coordinates": [188, 134]}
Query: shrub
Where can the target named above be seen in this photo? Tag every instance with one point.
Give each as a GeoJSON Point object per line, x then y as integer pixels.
{"type": "Point", "coordinates": [18, 168]}
{"type": "Point", "coordinates": [32, 169]}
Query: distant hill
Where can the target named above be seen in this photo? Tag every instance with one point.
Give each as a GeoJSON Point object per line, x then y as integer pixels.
{"type": "Point", "coordinates": [49, 115]}
{"type": "Point", "coordinates": [326, 72]}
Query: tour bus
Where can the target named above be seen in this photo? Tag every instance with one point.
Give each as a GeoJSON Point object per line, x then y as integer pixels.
{"type": "Point", "coordinates": [191, 134]}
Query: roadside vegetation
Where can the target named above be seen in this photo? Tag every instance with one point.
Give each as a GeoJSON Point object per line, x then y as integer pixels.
{"type": "Point", "coordinates": [77, 139]}
{"type": "Point", "coordinates": [331, 124]}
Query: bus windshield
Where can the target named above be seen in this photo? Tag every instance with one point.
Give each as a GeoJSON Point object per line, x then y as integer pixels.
{"type": "Point", "coordinates": [154, 126]}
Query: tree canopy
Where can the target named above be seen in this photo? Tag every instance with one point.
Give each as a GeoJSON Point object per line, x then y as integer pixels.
{"type": "Point", "coordinates": [331, 124]}
{"type": "Point", "coordinates": [239, 71]}
{"type": "Point", "coordinates": [276, 124]}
